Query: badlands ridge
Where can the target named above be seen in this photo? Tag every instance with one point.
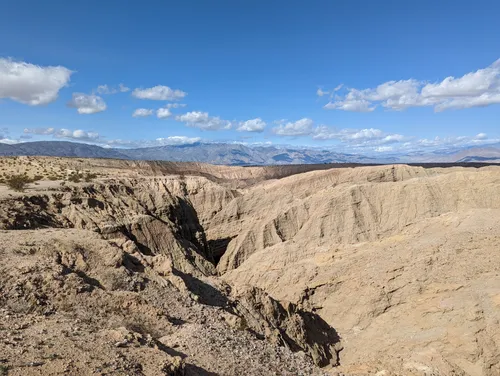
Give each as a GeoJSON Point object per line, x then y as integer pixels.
{"type": "Point", "coordinates": [188, 269]}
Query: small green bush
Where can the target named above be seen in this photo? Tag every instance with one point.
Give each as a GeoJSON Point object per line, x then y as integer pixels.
{"type": "Point", "coordinates": [18, 182]}
{"type": "Point", "coordinates": [90, 176]}
{"type": "Point", "coordinates": [74, 178]}
{"type": "Point", "coordinates": [4, 370]}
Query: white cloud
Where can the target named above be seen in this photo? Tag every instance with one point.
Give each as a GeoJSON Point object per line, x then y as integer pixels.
{"type": "Point", "coordinates": [475, 89]}
{"type": "Point", "coordinates": [87, 104]}
{"type": "Point", "coordinates": [78, 134]}
{"type": "Point", "coordinates": [300, 127]}
{"type": "Point", "coordinates": [321, 92]}
{"type": "Point", "coordinates": [31, 84]}
{"type": "Point", "coordinates": [39, 131]}
{"type": "Point", "coordinates": [468, 102]}
{"type": "Point", "coordinates": [178, 140]}
{"type": "Point", "coordinates": [142, 112]}
{"type": "Point", "coordinates": [364, 134]}
{"type": "Point", "coordinates": [175, 105]}
{"type": "Point", "coordinates": [202, 120]}
{"type": "Point", "coordinates": [163, 113]}
{"type": "Point", "coordinates": [161, 141]}
{"type": "Point", "coordinates": [392, 138]}
{"type": "Point", "coordinates": [481, 136]}
{"type": "Point", "coordinates": [8, 141]}
{"type": "Point", "coordinates": [159, 93]}
{"type": "Point", "coordinates": [357, 137]}
{"type": "Point", "coordinates": [122, 88]}
{"type": "Point", "coordinates": [353, 101]}
{"type": "Point", "coordinates": [383, 149]}
{"type": "Point", "coordinates": [472, 84]}
{"type": "Point", "coordinates": [105, 89]}
{"type": "Point", "coordinates": [253, 125]}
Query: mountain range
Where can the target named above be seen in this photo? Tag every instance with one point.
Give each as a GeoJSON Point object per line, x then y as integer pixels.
{"type": "Point", "coordinates": [242, 155]}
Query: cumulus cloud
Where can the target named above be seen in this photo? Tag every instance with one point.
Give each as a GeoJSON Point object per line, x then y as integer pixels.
{"type": "Point", "coordinates": [437, 143]}
{"type": "Point", "coordinates": [481, 136]}
{"type": "Point", "coordinates": [161, 141]}
{"type": "Point", "coordinates": [78, 134]}
{"type": "Point", "coordinates": [8, 141]}
{"type": "Point", "coordinates": [39, 131]}
{"type": "Point", "coordinates": [476, 89]}
{"type": "Point", "coordinates": [142, 112]}
{"type": "Point", "coordinates": [483, 100]}
{"type": "Point", "coordinates": [163, 113]}
{"type": "Point", "coordinates": [300, 127]}
{"type": "Point", "coordinates": [367, 136]}
{"type": "Point", "coordinates": [105, 89]}
{"type": "Point", "coordinates": [87, 104]}
{"type": "Point", "coordinates": [253, 125]}
{"type": "Point", "coordinates": [350, 104]}
{"type": "Point", "coordinates": [204, 121]}
{"type": "Point", "coordinates": [31, 84]}
{"type": "Point", "coordinates": [159, 93]}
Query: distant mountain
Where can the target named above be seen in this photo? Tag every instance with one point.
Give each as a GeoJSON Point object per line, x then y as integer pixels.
{"type": "Point", "coordinates": [242, 155]}
{"type": "Point", "coordinates": [215, 153]}
{"type": "Point", "coordinates": [60, 149]}
{"type": "Point", "coordinates": [479, 154]}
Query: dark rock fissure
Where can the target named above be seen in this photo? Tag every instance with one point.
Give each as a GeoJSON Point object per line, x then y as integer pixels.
{"type": "Point", "coordinates": [217, 248]}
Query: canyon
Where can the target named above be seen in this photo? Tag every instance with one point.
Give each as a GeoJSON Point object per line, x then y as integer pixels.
{"type": "Point", "coordinates": [193, 269]}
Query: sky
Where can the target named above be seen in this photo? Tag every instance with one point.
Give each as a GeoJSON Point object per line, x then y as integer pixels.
{"type": "Point", "coordinates": [357, 76]}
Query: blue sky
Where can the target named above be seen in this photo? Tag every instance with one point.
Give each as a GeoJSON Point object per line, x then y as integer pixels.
{"type": "Point", "coordinates": [359, 76]}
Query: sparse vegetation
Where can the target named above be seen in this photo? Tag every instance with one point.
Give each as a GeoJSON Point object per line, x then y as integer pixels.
{"type": "Point", "coordinates": [18, 182]}
{"type": "Point", "coordinates": [76, 177]}
{"type": "Point", "coordinates": [4, 370]}
{"type": "Point", "coordinates": [90, 176]}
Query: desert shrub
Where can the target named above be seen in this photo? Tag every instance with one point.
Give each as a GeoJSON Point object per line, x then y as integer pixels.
{"type": "Point", "coordinates": [17, 182]}
{"type": "Point", "coordinates": [4, 370]}
{"type": "Point", "coordinates": [37, 177]}
{"type": "Point", "coordinates": [74, 178]}
{"type": "Point", "coordinates": [90, 176]}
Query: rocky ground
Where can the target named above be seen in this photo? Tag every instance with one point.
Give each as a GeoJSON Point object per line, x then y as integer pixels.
{"type": "Point", "coordinates": [187, 269]}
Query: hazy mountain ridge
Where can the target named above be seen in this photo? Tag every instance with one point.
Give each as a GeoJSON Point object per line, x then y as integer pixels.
{"type": "Point", "coordinates": [60, 149]}
{"type": "Point", "coordinates": [243, 155]}
{"type": "Point", "coordinates": [214, 153]}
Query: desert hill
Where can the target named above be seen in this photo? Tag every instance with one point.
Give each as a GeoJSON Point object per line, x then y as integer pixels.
{"type": "Point", "coordinates": [192, 269]}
